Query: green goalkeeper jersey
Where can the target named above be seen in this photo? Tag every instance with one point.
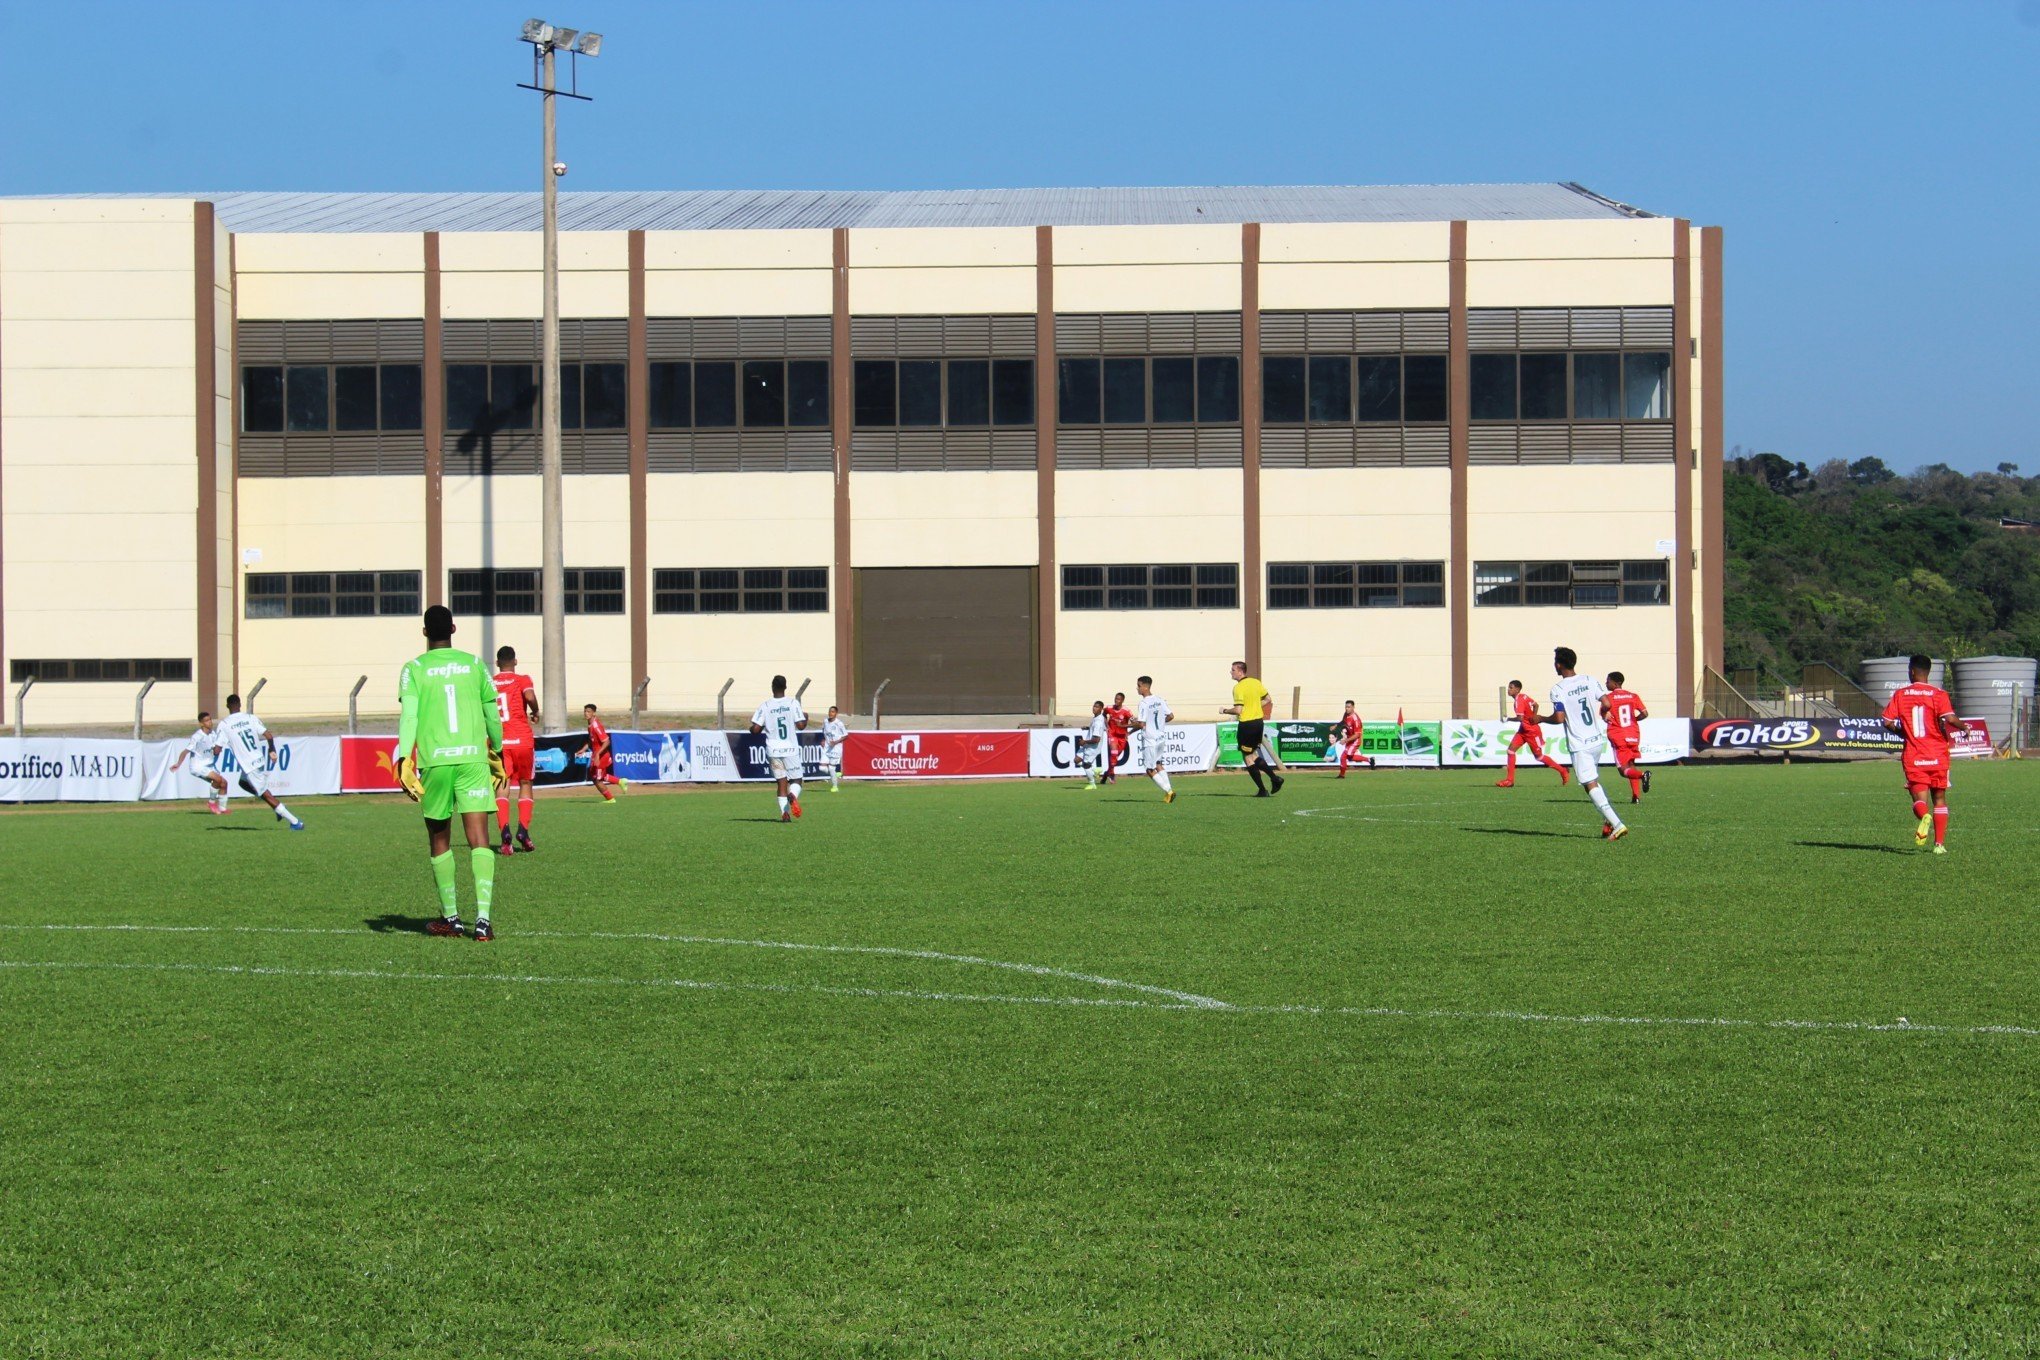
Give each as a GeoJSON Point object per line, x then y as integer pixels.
{"type": "Point", "coordinates": [449, 704]}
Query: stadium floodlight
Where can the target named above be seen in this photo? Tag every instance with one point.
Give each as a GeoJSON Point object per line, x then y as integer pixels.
{"type": "Point", "coordinates": [537, 32]}
{"type": "Point", "coordinates": [564, 37]}
{"type": "Point", "coordinates": [590, 45]}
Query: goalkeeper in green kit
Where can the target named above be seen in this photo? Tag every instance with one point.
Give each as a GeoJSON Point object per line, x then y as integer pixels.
{"type": "Point", "coordinates": [450, 759]}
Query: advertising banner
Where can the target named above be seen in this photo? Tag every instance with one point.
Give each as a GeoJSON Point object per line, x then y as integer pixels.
{"type": "Point", "coordinates": [1820, 736]}
{"type": "Point", "coordinates": [365, 765]}
{"type": "Point", "coordinates": [87, 770]}
{"type": "Point", "coordinates": [652, 757]}
{"type": "Point", "coordinates": [304, 765]}
{"type": "Point", "coordinates": [1187, 749]}
{"type": "Point", "coordinates": [749, 762]}
{"type": "Point", "coordinates": [1973, 743]}
{"type": "Point", "coordinates": [938, 755]}
{"type": "Point", "coordinates": [1414, 744]}
{"type": "Point", "coordinates": [1487, 743]}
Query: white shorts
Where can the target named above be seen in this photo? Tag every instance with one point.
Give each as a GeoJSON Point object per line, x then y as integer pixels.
{"type": "Point", "coordinates": [784, 766]}
{"type": "Point", "coordinates": [833, 759]}
{"type": "Point", "coordinates": [203, 773]}
{"type": "Point", "coordinates": [1586, 764]}
{"type": "Point", "coordinates": [1145, 751]}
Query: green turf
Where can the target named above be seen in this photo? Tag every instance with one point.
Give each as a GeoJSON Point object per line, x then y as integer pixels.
{"type": "Point", "coordinates": [202, 1162]}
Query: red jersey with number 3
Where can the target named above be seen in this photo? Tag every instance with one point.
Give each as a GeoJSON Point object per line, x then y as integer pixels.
{"type": "Point", "coordinates": [1919, 709]}
{"type": "Point", "coordinates": [1624, 710]}
{"type": "Point", "coordinates": [511, 688]}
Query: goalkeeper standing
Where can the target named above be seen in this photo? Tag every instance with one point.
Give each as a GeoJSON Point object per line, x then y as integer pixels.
{"type": "Point", "coordinates": [450, 759]}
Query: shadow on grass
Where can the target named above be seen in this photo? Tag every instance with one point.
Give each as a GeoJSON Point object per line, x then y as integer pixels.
{"type": "Point", "coordinates": [1853, 845]}
{"type": "Point", "coordinates": [389, 923]}
{"type": "Point", "coordinates": [239, 828]}
{"type": "Point", "coordinates": [1519, 831]}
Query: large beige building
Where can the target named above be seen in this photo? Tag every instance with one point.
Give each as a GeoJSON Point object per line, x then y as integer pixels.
{"type": "Point", "coordinates": [1007, 449]}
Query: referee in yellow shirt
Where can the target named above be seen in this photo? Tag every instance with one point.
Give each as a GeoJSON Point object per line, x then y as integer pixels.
{"type": "Point", "coordinates": [1253, 706]}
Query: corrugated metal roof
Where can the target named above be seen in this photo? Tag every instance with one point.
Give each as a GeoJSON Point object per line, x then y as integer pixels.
{"type": "Point", "coordinates": [758, 209]}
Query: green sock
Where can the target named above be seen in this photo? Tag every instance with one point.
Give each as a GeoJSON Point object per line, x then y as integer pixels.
{"type": "Point", "coordinates": [483, 861]}
{"type": "Point", "coordinates": [442, 875]}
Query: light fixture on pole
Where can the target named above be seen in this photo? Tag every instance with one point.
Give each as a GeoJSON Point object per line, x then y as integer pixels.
{"type": "Point", "coordinates": [545, 40]}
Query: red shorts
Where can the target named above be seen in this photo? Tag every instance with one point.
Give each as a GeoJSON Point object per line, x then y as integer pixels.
{"type": "Point", "coordinates": [601, 766]}
{"type": "Point", "coordinates": [1528, 736]}
{"type": "Point", "coordinates": [1117, 746]}
{"type": "Point", "coordinates": [1626, 754]}
{"type": "Point", "coordinates": [517, 759]}
{"type": "Point", "coordinates": [1934, 777]}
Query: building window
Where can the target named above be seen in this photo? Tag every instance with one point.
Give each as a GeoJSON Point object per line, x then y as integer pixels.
{"type": "Point", "coordinates": [499, 592]}
{"type": "Point", "coordinates": [121, 669]}
{"type": "Point", "coordinates": [1356, 585]}
{"type": "Point", "coordinates": [492, 396]}
{"type": "Point", "coordinates": [1129, 390]}
{"type": "Point", "coordinates": [1579, 585]}
{"type": "Point", "coordinates": [1339, 389]}
{"type": "Point", "coordinates": [740, 590]}
{"type": "Point", "coordinates": [592, 397]}
{"type": "Point", "coordinates": [1604, 386]}
{"type": "Point", "coordinates": [321, 398]}
{"type": "Point", "coordinates": [937, 393]}
{"type": "Point", "coordinates": [330, 594]}
{"type": "Point", "coordinates": [1206, 585]}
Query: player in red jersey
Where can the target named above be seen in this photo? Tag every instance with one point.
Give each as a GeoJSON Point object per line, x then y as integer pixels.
{"type": "Point", "coordinates": [1921, 713]}
{"type": "Point", "coordinates": [1347, 731]}
{"type": "Point", "coordinates": [1528, 733]}
{"type": "Point", "coordinates": [1118, 722]}
{"type": "Point", "coordinates": [516, 705]}
{"type": "Point", "coordinates": [1623, 712]}
{"type": "Point", "coordinates": [601, 765]}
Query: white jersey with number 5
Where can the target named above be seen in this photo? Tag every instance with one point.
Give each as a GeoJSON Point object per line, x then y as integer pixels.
{"type": "Point", "coordinates": [1580, 697]}
{"type": "Point", "coordinates": [779, 717]}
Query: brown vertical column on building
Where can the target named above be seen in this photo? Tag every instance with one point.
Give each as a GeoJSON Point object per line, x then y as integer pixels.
{"type": "Point", "coordinates": [206, 663]}
{"type": "Point", "coordinates": [1047, 595]}
{"type": "Point", "coordinates": [1459, 424]}
{"type": "Point", "coordinates": [1685, 458]}
{"type": "Point", "coordinates": [843, 583]}
{"type": "Point", "coordinates": [234, 462]}
{"type": "Point", "coordinates": [639, 420]}
{"type": "Point", "coordinates": [1713, 538]}
{"type": "Point", "coordinates": [1250, 442]}
{"type": "Point", "coordinates": [434, 386]}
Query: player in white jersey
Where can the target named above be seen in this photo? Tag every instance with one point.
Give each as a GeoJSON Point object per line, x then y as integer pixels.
{"type": "Point", "coordinates": [254, 750]}
{"type": "Point", "coordinates": [834, 733]}
{"type": "Point", "coordinates": [1094, 741]}
{"type": "Point", "coordinates": [1150, 716]}
{"type": "Point", "coordinates": [199, 750]}
{"type": "Point", "coordinates": [780, 720]}
{"type": "Point", "coordinates": [1576, 702]}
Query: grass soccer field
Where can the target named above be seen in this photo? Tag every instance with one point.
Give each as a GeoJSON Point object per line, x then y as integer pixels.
{"type": "Point", "coordinates": [1404, 1065]}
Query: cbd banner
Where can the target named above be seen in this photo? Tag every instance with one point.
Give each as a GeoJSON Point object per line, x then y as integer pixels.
{"type": "Point", "coordinates": [1821, 735]}
{"type": "Point", "coordinates": [1487, 743]}
{"type": "Point", "coordinates": [1190, 748]}
{"type": "Point", "coordinates": [1311, 743]}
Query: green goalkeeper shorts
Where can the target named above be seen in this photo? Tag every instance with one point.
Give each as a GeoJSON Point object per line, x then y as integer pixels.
{"type": "Point", "coordinates": [451, 789]}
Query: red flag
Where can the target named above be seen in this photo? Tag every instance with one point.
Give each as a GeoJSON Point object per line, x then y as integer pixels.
{"type": "Point", "coordinates": [1398, 718]}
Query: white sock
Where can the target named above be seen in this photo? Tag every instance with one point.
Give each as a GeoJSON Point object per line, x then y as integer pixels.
{"type": "Point", "coordinates": [835, 779]}
{"type": "Point", "coordinates": [782, 802]}
{"type": "Point", "coordinates": [284, 813]}
{"type": "Point", "coordinates": [1162, 780]}
{"type": "Point", "coordinates": [1600, 797]}
{"type": "Point", "coordinates": [794, 789]}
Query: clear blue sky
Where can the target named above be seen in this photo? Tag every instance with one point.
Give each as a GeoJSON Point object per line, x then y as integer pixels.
{"type": "Point", "coordinates": [1874, 165]}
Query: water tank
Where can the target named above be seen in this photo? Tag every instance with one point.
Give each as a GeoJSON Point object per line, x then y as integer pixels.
{"type": "Point", "coordinates": [1884, 674]}
{"type": "Point", "coordinates": [1995, 689]}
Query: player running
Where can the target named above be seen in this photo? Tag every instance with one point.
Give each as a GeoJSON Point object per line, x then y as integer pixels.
{"type": "Point", "coordinates": [601, 759]}
{"type": "Point", "coordinates": [1624, 713]}
{"type": "Point", "coordinates": [200, 749]}
{"type": "Point", "coordinates": [1118, 727]}
{"type": "Point", "coordinates": [1576, 702]}
{"type": "Point", "coordinates": [254, 749]}
{"type": "Point", "coordinates": [835, 732]}
{"type": "Point", "coordinates": [780, 720]}
{"type": "Point", "coordinates": [450, 760]}
{"type": "Point", "coordinates": [1348, 731]}
{"type": "Point", "coordinates": [1524, 710]}
{"type": "Point", "coordinates": [1253, 706]}
{"type": "Point", "coordinates": [516, 707]}
{"type": "Point", "coordinates": [1151, 715]}
{"type": "Point", "coordinates": [1094, 741]}
{"type": "Point", "coordinates": [1922, 714]}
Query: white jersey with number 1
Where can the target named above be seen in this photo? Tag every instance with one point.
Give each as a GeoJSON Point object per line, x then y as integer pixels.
{"type": "Point", "coordinates": [780, 718]}
{"type": "Point", "coordinates": [1580, 697]}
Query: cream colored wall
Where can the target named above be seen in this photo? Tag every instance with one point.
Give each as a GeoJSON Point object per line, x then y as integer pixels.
{"type": "Point", "coordinates": [1382, 659]}
{"type": "Point", "coordinates": [1142, 269]}
{"type": "Point", "coordinates": [1625, 263]}
{"type": "Point", "coordinates": [946, 271]}
{"type": "Point", "coordinates": [1582, 513]}
{"type": "Point", "coordinates": [943, 519]}
{"type": "Point", "coordinates": [1516, 643]}
{"type": "Point", "coordinates": [1361, 266]}
{"type": "Point", "coordinates": [325, 276]}
{"type": "Point", "coordinates": [98, 402]}
{"type": "Point", "coordinates": [1356, 514]}
{"type": "Point", "coordinates": [739, 273]}
{"type": "Point", "coordinates": [691, 655]}
{"type": "Point", "coordinates": [1187, 651]}
{"type": "Point", "coordinates": [1152, 515]}
{"type": "Point", "coordinates": [496, 274]}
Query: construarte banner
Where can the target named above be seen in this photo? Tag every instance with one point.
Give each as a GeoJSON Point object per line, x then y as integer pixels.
{"type": "Point", "coordinates": [936, 755]}
{"type": "Point", "coordinates": [1821, 735]}
{"type": "Point", "coordinates": [1487, 743]}
{"type": "Point", "coordinates": [1412, 745]}
{"type": "Point", "coordinates": [1191, 748]}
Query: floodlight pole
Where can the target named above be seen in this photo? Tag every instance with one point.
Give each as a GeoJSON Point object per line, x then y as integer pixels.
{"type": "Point", "coordinates": [553, 577]}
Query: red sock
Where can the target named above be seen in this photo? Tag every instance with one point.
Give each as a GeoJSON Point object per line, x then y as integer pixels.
{"type": "Point", "coordinates": [1941, 825]}
{"type": "Point", "coordinates": [1342, 760]}
{"type": "Point", "coordinates": [1551, 764]}
{"type": "Point", "coordinates": [603, 789]}
{"type": "Point", "coordinates": [1919, 805]}
{"type": "Point", "coordinates": [1635, 783]}
{"type": "Point", "coordinates": [1512, 765]}
{"type": "Point", "coordinates": [503, 815]}
{"type": "Point", "coordinates": [524, 814]}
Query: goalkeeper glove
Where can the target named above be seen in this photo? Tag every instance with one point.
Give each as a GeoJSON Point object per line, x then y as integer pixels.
{"type": "Point", "coordinates": [407, 778]}
{"type": "Point", "coordinates": [496, 775]}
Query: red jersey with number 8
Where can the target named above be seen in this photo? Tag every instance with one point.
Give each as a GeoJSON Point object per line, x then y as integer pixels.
{"type": "Point", "coordinates": [1919, 710]}
{"type": "Point", "coordinates": [1623, 727]}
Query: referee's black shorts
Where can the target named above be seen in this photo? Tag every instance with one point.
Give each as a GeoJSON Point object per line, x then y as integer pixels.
{"type": "Point", "coordinates": [1250, 735]}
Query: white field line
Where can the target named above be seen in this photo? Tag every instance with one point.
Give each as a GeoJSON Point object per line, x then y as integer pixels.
{"type": "Point", "coordinates": [1187, 1001]}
